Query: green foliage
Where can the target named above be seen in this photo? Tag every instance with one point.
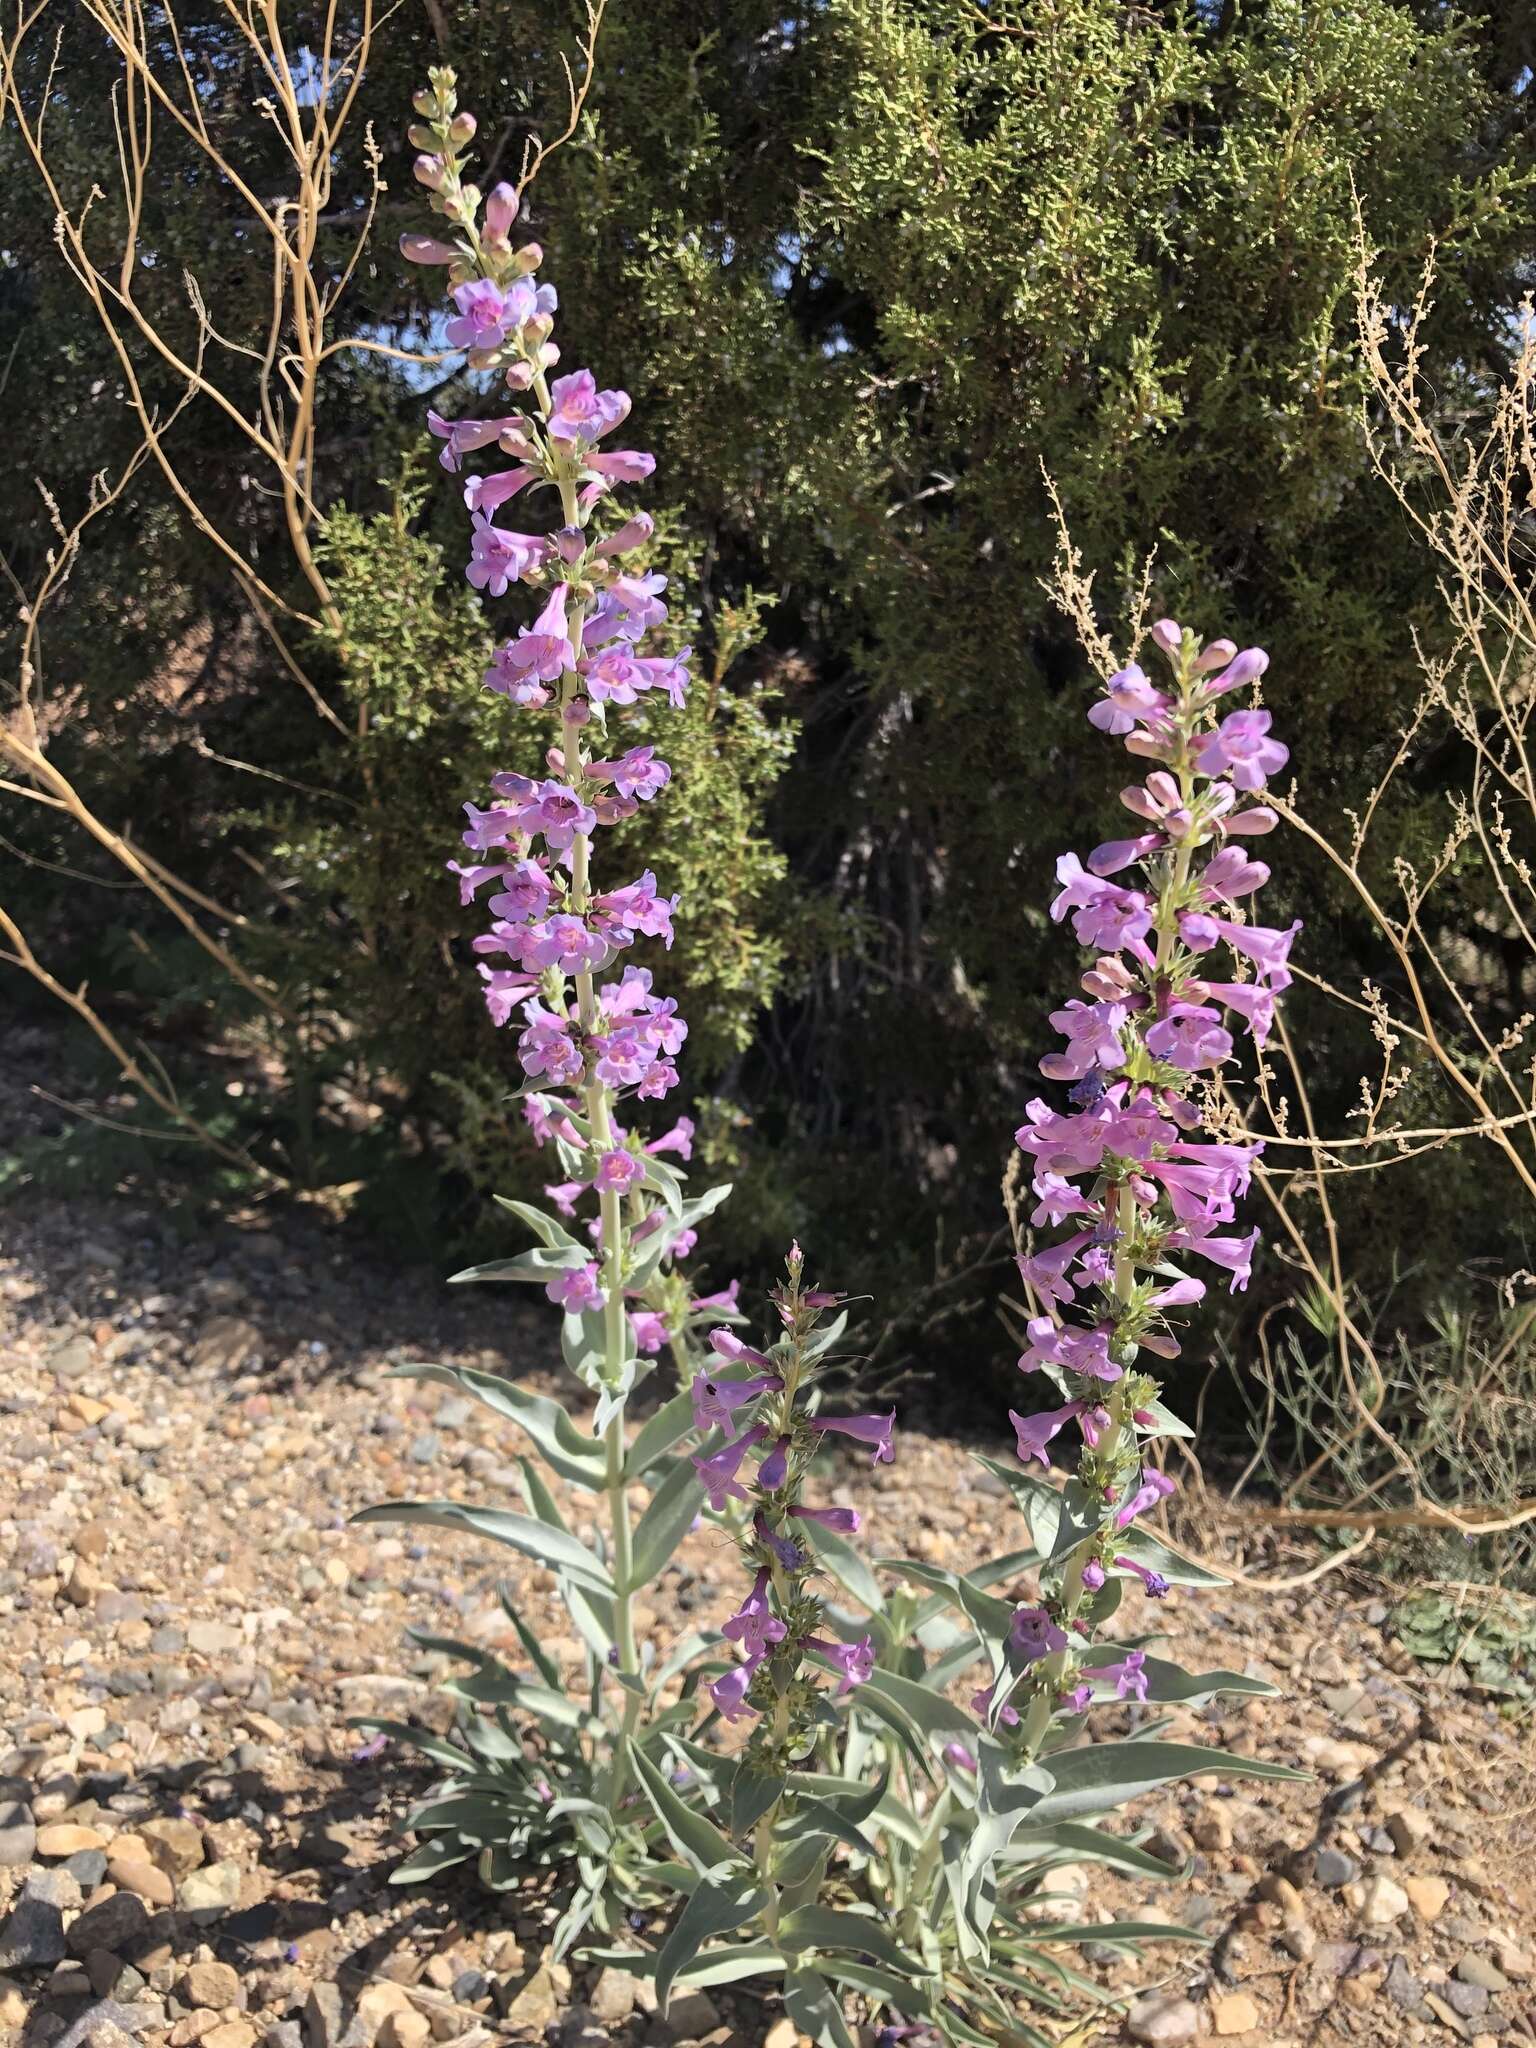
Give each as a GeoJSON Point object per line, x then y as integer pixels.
{"type": "Point", "coordinates": [864, 266]}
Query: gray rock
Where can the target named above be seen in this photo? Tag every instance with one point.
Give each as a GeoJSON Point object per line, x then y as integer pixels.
{"type": "Point", "coordinates": [33, 1936]}
{"type": "Point", "coordinates": [1479, 1971]}
{"type": "Point", "coordinates": [110, 1925]}
{"type": "Point", "coordinates": [283, 2034]}
{"type": "Point", "coordinates": [1336, 1958]}
{"type": "Point", "coordinates": [454, 1412]}
{"type": "Point", "coordinates": [424, 1448]}
{"type": "Point", "coordinates": [87, 1867]}
{"type": "Point", "coordinates": [1403, 1988]}
{"type": "Point", "coordinates": [110, 2016]}
{"type": "Point", "coordinates": [72, 1358]}
{"type": "Point", "coordinates": [322, 2017]}
{"type": "Point", "coordinates": [1162, 2022]}
{"type": "Point", "coordinates": [1333, 1868]}
{"type": "Point", "coordinates": [18, 1834]}
{"type": "Point", "coordinates": [1469, 2000]}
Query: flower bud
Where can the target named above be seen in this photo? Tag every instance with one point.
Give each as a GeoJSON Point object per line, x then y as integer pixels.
{"type": "Point", "coordinates": [462, 129]}
{"type": "Point", "coordinates": [422, 249]}
{"type": "Point", "coordinates": [501, 208]}
{"type": "Point", "coordinates": [577, 713]}
{"type": "Point", "coordinates": [1169, 635]}
{"type": "Point", "coordinates": [570, 543]}
{"type": "Point", "coordinates": [519, 376]}
{"type": "Point", "coordinates": [425, 103]}
{"type": "Point", "coordinates": [420, 137]}
{"type": "Point", "coordinates": [529, 257]}
{"type": "Point", "coordinates": [430, 171]}
{"type": "Point", "coordinates": [1216, 655]}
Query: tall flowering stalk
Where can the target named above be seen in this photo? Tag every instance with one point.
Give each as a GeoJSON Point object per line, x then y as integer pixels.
{"type": "Point", "coordinates": [1128, 1172]}
{"type": "Point", "coordinates": [594, 1037]}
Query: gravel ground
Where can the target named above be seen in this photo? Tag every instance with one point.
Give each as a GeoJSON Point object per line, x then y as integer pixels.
{"type": "Point", "coordinates": [191, 1848]}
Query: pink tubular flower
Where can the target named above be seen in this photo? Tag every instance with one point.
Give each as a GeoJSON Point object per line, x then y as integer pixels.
{"type": "Point", "coordinates": [487, 314]}
{"type": "Point", "coordinates": [543, 651]}
{"type": "Point", "coordinates": [577, 1289]}
{"type": "Point", "coordinates": [498, 558]}
{"type": "Point", "coordinates": [546, 1049]}
{"type": "Point", "coordinates": [1241, 748]}
{"type": "Point", "coordinates": [580, 412]}
{"type": "Point", "coordinates": [754, 1626]}
{"type": "Point", "coordinates": [679, 1140]}
{"type": "Point", "coordinates": [464, 437]}
{"type": "Point", "coordinates": [726, 1344]}
{"type": "Point", "coordinates": [1235, 1254]}
{"type": "Point", "coordinates": [719, 1470]}
{"type": "Point", "coordinates": [618, 1171]}
{"type": "Point", "coordinates": [637, 774]}
{"type": "Point", "coordinates": [1127, 1676]}
{"type": "Point", "coordinates": [1246, 668]}
{"type": "Point", "coordinates": [1128, 697]}
{"type": "Point", "coordinates": [1034, 1635]}
{"type": "Point", "coordinates": [715, 1401]}
{"type": "Point", "coordinates": [1092, 1032]}
{"type": "Point", "coordinates": [1268, 949]}
{"type": "Point", "coordinates": [563, 943]}
{"type": "Point", "coordinates": [1190, 1037]}
{"type": "Point", "coordinates": [855, 1661]}
{"type": "Point", "coordinates": [558, 813]}
{"type": "Point", "coordinates": [1034, 1432]}
{"type": "Point", "coordinates": [774, 1469]}
{"type": "Point", "coordinates": [1153, 1488]}
{"type": "Point", "coordinates": [865, 1429]}
{"type": "Point", "coordinates": [1154, 1584]}
{"type": "Point", "coordinates": [841, 1521]}
{"type": "Point", "coordinates": [959, 1756]}
{"type": "Point", "coordinates": [729, 1693]}
{"type": "Point", "coordinates": [649, 1330]}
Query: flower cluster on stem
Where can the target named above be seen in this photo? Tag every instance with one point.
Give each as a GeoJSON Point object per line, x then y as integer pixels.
{"type": "Point", "coordinates": [762, 1439]}
{"type": "Point", "coordinates": [592, 1032]}
{"type": "Point", "coordinates": [1126, 1172]}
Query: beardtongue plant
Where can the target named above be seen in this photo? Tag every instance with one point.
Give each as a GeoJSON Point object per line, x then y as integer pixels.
{"type": "Point", "coordinates": [939, 1825]}
{"type": "Point", "coordinates": [596, 1044]}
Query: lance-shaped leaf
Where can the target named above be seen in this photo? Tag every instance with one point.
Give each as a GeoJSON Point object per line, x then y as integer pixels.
{"type": "Point", "coordinates": [1059, 1518]}
{"type": "Point", "coordinates": [667, 1182]}
{"type": "Point", "coordinates": [667, 1519]}
{"type": "Point", "coordinates": [937, 1717]}
{"type": "Point", "coordinates": [441, 1853]}
{"type": "Point", "coordinates": [1109, 1774]}
{"type": "Point", "coordinates": [554, 1547]}
{"type": "Point", "coordinates": [691, 1833]}
{"type": "Point", "coordinates": [1163, 1421]}
{"type": "Point", "coordinates": [1169, 1684]}
{"type": "Point", "coordinates": [564, 1447]}
{"type": "Point", "coordinates": [1008, 1796]}
{"type": "Point", "coordinates": [658, 1434]}
{"type": "Point", "coordinates": [1073, 1842]}
{"type": "Point", "coordinates": [722, 1899]}
{"type": "Point", "coordinates": [815, 2008]}
{"type": "Point", "coordinates": [542, 1263]}
{"type": "Point", "coordinates": [855, 1934]}
{"type": "Point", "coordinates": [727, 1965]}
{"type": "Point", "coordinates": [1151, 1551]}
{"type": "Point", "coordinates": [544, 1227]}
